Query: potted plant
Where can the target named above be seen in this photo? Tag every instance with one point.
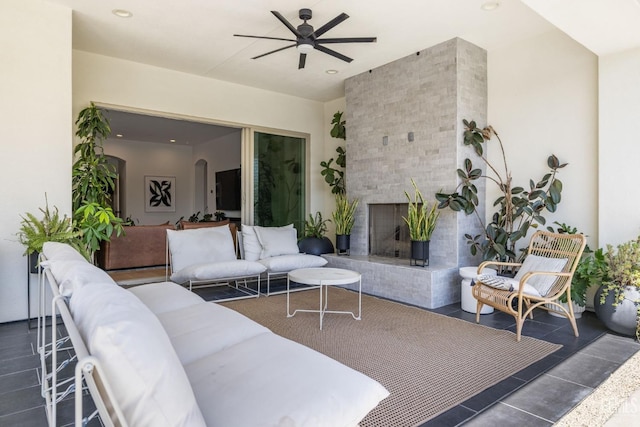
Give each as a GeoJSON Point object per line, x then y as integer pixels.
{"type": "Point", "coordinates": [314, 241]}
{"type": "Point", "coordinates": [343, 218]}
{"type": "Point", "coordinates": [518, 208]}
{"type": "Point", "coordinates": [93, 181]}
{"type": "Point", "coordinates": [52, 227]}
{"type": "Point", "coordinates": [421, 220]}
{"type": "Point", "coordinates": [617, 302]}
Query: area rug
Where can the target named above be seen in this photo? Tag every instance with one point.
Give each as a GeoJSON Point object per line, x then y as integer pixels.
{"type": "Point", "coordinates": [428, 362]}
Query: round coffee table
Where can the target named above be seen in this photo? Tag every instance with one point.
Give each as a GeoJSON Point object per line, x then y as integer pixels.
{"type": "Point", "coordinates": [323, 278]}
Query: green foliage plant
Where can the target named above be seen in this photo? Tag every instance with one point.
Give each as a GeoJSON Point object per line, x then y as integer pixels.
{"type": "Point", "coordinates": [52, 227]}
{"type": "Point", "coordinates": [589, 272]}
{"type": "Point", "coordinates": [420, 218]}
{"type": "Point", "coordinates": [344, 214]}
{"type": "Point", "coordinates": [622, 270]}
{"type": "Point", "coordinates": [315, 226]}
{"type": "Point", "coordinates": [518, 208]}
{"type": "Point", "coordinates": [93, 181]}
{"type": "Point", "coordinates": [97, 223]}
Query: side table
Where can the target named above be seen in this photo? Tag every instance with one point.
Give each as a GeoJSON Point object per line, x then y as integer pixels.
{"type": "Point", "coordinates": [323, 278]}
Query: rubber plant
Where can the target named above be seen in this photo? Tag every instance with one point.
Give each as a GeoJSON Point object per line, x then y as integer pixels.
{"type": "Point", "coordinates": [93, 181]}
{"type": "Point", "coordinates": [518, 208]}
{"type": "Point", "coordinates": [334, 176]}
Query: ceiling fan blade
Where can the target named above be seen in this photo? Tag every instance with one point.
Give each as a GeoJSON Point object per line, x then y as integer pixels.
{"type": "Point", "coordinates": [333, 53]}
{"type": "Point", "coordinates": [329, 25]}
{"type": "Point", "coordinates": [303, 60]}
{"type": "Point", "coordinates": [273, 51]}
{"type": "Point", "coordinates": [263, 37]}
{"type": "Point", "coordinates": [349, 40]}
{"type": "Point", "coordinates": [282, 19]}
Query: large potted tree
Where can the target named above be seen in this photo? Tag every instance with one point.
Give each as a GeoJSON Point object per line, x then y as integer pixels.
{"type": "Point", "coordinates": [421, 220]}
{"type": "Point", "coordinates": [344, 218]}
{"type": "Point", "coordinates": [93, 181]}
{"type": "Point", "coordinates": [518, 208]}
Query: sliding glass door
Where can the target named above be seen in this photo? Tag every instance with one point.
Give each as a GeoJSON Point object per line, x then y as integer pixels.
{"type": "Point", "coordinates": [279, 172]}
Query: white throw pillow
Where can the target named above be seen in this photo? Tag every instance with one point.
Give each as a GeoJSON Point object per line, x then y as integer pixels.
{"type": "Point", "coordinates": [73, 274]}
{"type": "Point", "coordinates": [61, 251]}
{"type": "Point", "coordinates": [284, 263]}
{"type": "Point", "coordinates": [143, 370]}
{"type": "Point", "coordinates": [218, 270]}
{"type": "Point", "coordinates": [250, 243]}
{"type": "Point", "coordinates": [506, 283]}
{"type": "Point", "coordinates": [277, 240]}
{"type": "Point", "coordinates": [200, 245]}
{"type": "Point", "coordinates": [542, 283]}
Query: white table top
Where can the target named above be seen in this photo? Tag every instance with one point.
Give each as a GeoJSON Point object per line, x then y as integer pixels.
{"type": "Point", "coordinates": [324, 276]}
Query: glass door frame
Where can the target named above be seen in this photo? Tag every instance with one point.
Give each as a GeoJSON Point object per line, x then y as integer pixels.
{"type": "Point", "coordinates": [247, 155]}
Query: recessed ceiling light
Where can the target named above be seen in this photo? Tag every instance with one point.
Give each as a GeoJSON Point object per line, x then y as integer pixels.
{"type": "Point", "coordinates": [121, 13]}
{"type": "Point", "coordinates": [490, 5]}
{"type": "Point", "coordinates": [172, 140]}
{"type": "Point", "coordinates": [332, 71]}
{"type": "Point", "coordinates": [119, 135]}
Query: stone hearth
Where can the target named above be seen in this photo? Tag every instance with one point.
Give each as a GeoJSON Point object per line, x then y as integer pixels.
{"type": "Point", "coordinates": [429, 287]}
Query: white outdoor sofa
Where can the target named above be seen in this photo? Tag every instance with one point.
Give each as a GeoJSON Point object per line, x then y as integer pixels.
{"type": "Point", "coordinates": [158, 355]}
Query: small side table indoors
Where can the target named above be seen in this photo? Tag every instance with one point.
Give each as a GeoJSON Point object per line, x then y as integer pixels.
{"type": "Point", "coordinates": [323, 278]}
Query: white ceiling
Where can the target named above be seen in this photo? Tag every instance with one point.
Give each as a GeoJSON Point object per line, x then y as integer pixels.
{"type": "Point", "coordinates": [196, 36]}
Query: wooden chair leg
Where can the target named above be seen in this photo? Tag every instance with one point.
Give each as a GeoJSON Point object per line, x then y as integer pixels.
{"type": "Point", "coordinates": [519, 323]}
{"type": "Point", "coordinates": [478, 308]}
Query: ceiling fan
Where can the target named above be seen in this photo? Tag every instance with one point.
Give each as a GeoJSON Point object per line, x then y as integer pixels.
{"type": "Point", "coordinates": [307, 39]}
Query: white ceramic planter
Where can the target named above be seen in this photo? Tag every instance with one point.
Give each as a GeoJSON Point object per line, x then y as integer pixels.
{"type": "Point", "coordinates": [467, 301]}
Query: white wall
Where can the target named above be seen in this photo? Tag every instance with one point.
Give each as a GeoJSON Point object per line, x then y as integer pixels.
{"type": "Point", "coordinates": [128, 84]}
{"type": "Point", "coordinates": [221, 154]}
{"type": "Point", "coordinates": [153, 159]}
{"type": "Point", "coordinates": [619, 151]}
{"type": "Point", "coordinates": [36, 131]}
{"type": "Point", "coordinates": [543, 99]}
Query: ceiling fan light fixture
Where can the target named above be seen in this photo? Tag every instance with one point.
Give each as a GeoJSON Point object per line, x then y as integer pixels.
{"type": "Point", "coordinates": [121, 13]}
{"type": "Point", "coordinates": [489, 6]}
{"type": "Point", "coordinates": [304, 47]}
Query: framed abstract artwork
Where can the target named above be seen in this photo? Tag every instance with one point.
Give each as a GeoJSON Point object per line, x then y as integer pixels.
{"type": "Point", "coordinates": [159, 193]}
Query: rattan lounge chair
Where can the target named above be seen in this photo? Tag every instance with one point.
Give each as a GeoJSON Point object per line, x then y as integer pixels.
{"type": "Point", "coordinates": [543, 277]}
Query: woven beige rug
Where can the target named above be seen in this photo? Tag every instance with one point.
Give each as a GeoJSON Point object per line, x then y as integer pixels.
{"type": "Point", "coordinates": [428, 362]}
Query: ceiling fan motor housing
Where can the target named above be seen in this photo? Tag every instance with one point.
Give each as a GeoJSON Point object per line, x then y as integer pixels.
{"type": "Point", "coordinates": [305, 14]}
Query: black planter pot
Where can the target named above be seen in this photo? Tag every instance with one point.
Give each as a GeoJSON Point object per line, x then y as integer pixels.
{"type": "Point", "coordinates": [315, 246]}
{"type": "Point", "coordinates": [419, 253]}
{"type": "Point", "coordinates": [343, 244]}
{"type": "Point", "coordinates": [33, 262]}
{"type": "Point", "coordinates": [622, 318]}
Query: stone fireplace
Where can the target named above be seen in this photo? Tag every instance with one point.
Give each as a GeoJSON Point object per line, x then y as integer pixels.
{"type": "Point", "coordinates": [388, 233]}
{"type": "Point", "coordinates": [404, 121]}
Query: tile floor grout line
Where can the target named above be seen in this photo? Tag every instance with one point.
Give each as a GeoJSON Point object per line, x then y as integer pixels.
{"type": "Point", "coordinates": [527, 412]}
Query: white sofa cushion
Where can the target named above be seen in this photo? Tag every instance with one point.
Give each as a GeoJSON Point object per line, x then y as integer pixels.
{"type": "Point", "coordinates": [277, 240]}
{"type": "Point", "coordinates": [206, 328]}
{"type": "Point", "coordinates": [290, 385]}
{"type": "Point", "coordinates": [73, 274]}
{"type": "Point", "coordinates": [162, 297]}
{"type": "Point", "coordinates": [251, 245]}
{"type": "Point", "coordinates": [200, 245]}
{"type": "Point", "coordinates": [61, 251]}
{"type": "Point", "coordinates": [541, 282]}
{"type": "Point", "coordinates": [284, 263]}
{"type": "Point", "coordinates": [218, 270]}
{"type": "Point", "coordinates": [145, 374]}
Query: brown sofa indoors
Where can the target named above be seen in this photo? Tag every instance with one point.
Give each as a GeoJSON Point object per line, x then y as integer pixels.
{"type": "Point", "coordinates": [139, 246]}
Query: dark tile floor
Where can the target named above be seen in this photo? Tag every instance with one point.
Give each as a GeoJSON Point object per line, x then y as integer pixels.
{"type": "Point", "coordinates": [539, 395]}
